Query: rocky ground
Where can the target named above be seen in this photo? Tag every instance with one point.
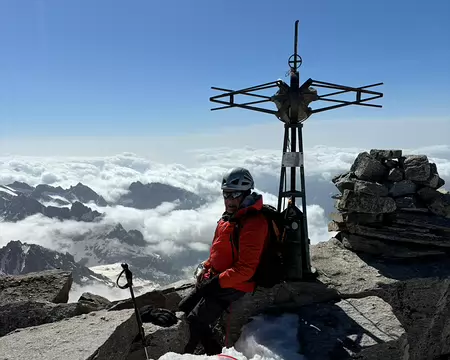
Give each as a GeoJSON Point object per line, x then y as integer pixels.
{"type": "Point", "coordinates": [357, 307]}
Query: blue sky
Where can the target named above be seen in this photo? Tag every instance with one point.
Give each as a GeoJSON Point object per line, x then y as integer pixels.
{"type": "Point", "coordinates": [127, 68]}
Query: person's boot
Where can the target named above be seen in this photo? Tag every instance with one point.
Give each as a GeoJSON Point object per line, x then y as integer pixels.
{"type": "Point", "coordinates": [211, 346]}
{"type": "Point", "coordinates": [194, 337]}
{"type": "Point", "coordinates": [190, 347]}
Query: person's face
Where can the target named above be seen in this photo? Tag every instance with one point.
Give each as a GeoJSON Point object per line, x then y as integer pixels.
{"type": "Point", "coordinates": [232, 200]}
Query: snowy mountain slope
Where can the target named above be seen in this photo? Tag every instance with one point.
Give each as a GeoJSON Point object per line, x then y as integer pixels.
{"type": "Point", "coordinates": [112, 271]}
{"type": "Point", "coordinates": [149, 196]}
{"type": "Point", "coordinates": [109, 244]}
{"type": "Point", "coordinates": [44, 192]}
{"type": "Point", "coordinates": [16, 206]}
{"type": "Point", "coordinates": [21, 258]}
{"type": "Point", "coordinates": [138, 195]}
{"type": "Point", "coordinates": [103, 241]}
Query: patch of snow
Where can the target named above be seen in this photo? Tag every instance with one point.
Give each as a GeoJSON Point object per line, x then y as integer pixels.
{"type": "Point", "coordinates": [58, 197]}
{"type": "Point", "coordinates": [7, 190]}
{"type": "Point", "coordinates": [84, 279]}
{"type": "Point", "coordinates": [54, 204]}
{"type": "Point", "coordinates": [264, 338]}
{"type": "Point", "coordinates": [25, 248]}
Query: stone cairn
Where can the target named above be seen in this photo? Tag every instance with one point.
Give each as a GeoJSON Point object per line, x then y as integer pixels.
{"type": "Point", "coordinates": [392, 205]}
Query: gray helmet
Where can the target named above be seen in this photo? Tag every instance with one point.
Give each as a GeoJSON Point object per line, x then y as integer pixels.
{"type": "Point", "coordinates": [237, 179]}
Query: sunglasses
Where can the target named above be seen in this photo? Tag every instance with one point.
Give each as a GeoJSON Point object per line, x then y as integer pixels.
{"type": "Point", "coordinates": [232, 195]}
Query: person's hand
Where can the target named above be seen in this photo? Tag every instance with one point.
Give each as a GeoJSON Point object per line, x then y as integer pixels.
{"type": "Point", "coordinates": [200, 272]}
{"type": "Point", "coordinates": [210, 286]}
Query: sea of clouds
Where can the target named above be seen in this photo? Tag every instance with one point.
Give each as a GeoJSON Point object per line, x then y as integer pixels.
{"type": "Point", "coordinates": [110, 177]}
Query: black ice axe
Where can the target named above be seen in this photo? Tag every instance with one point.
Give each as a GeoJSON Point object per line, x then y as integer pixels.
{"type": "Point", "coordinates": [129, 284]}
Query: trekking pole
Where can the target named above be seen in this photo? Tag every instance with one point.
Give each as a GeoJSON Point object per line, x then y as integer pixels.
{"type": "Point", "coordinates": [129, 284]}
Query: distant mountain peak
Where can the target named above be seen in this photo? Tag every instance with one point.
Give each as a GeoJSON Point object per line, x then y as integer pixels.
{"type": "Point", "coordinates": [151, 195]}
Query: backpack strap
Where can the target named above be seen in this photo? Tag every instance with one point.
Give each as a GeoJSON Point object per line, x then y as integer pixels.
{"type": "Point", "coordinates": [234, 238]}
{"type": "Point", "coordinates": [234, 241]}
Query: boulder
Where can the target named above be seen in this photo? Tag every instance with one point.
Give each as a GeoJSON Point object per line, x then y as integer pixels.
{"type": "Point", "coordinates": [417, 168]}
{"type": "Point", "coordinates": [370, 188]}
{"type": "Point", "coordinates": [363, 203]}
{"type": "Point", "coordinates": [402, 187]}
{"type": "Point", "coordinates": [91, 302]}
{"type": "Point", "coordinates": [98, 335]}
{"type": "Point", "coordinates": [407, 202]}
{"type": "Point", "coordinates": [345, 181]}
{"type": "Point", "coordinates": [441, 206]}
{"type": "Point", "coordinates": [395, 174]}
{"type": "Point", "coordinates": [51, 285]}
{"type": "Point", "coordinates": [367, 167]}
{"type": "Point", "coordinates": [360, 218]}
{"type": "Point", "coordinates": [381, 154]}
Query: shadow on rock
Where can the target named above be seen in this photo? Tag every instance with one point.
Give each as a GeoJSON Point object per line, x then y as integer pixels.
{"type": "Point", "coordinates": [405, 269]}
{"type": "Point", "coordinates": [343, 330]}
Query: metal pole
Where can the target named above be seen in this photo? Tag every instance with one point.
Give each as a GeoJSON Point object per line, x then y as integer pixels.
{"type": "Point", "coordinates": [294, 100]}
{"type": "Point", "coordinates": [305, 237]}
{"type": "Point", "coordinates": [283, 169]}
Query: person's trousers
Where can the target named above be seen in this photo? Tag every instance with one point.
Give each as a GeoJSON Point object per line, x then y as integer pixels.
{"type": "Point", "coordinates": [203, 311]}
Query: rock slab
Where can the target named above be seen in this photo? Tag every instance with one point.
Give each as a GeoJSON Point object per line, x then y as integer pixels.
{"type": "Point", "coordinates": [98, 335]}
{"type": "Point", "coordinates": [50, 285]}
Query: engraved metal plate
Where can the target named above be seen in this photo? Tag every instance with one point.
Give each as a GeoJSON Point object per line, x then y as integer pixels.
{"type": "Point", "coordinates": [292, 159]}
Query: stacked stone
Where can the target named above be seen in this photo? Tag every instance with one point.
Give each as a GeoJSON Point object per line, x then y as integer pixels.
{"type": "Point", "coordinates": [392, 205]}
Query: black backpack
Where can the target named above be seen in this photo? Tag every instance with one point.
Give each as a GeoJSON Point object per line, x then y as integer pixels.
{"type": "Point", "coordinates": [270, 270]}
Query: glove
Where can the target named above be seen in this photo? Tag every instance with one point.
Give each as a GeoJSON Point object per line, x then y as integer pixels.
{"type": "Point", "coordinates": [210, 286]}
{"type": "Point", "coordinates": [158, 316]}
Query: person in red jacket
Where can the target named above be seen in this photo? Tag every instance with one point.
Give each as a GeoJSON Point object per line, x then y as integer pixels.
{"type": "Point", "coordinates": [226, 275]}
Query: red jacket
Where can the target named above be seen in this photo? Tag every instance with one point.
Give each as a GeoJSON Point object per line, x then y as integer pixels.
{"type": "Point", "coordinates": [253, 237]}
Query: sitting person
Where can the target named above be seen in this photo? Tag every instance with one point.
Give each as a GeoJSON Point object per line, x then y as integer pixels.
{"type": "Point", "coordinates": [226, 275]}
